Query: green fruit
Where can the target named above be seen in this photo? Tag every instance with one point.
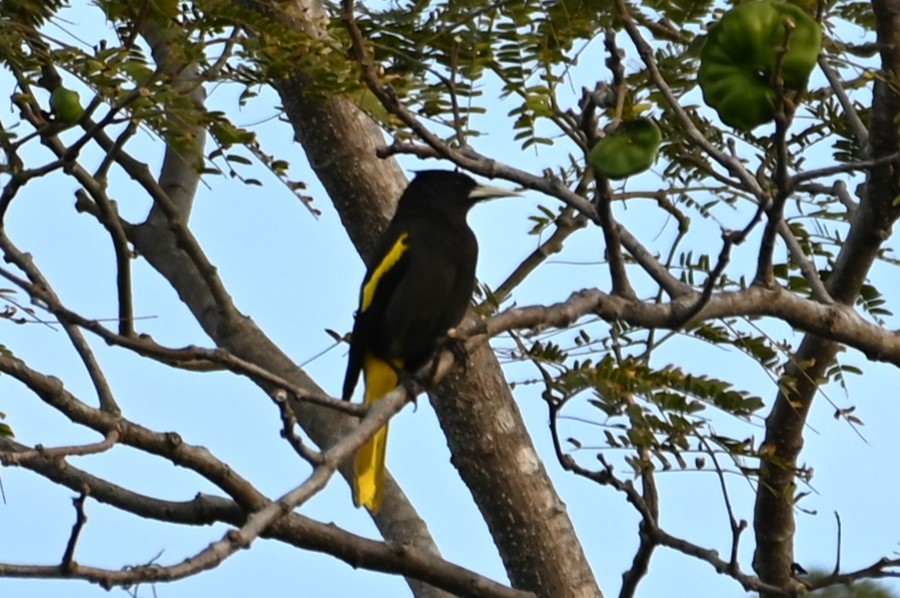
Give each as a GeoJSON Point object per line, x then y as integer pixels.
{"type": "Point", "coordinates": [628, 150]}
{"type": "Point", "coordinates": [738, 60]}
{"type": "Point", "coordinates": [66, 105]}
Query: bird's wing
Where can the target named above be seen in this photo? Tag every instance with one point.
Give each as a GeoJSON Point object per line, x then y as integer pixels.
{"type": "Point", "coordinates": [376, 291]}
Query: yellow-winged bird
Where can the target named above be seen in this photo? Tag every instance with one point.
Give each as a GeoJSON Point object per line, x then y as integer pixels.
{"type": "Point", "coordinates": [417, 287]}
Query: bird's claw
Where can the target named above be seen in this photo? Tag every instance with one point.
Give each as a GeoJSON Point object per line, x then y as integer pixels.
{"type": "Point", "coordinates": [457, 347]}
{"type": "Point", "coordinates": [413, 386]}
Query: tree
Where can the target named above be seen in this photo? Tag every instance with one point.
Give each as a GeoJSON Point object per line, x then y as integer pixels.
{"type": "Point", "coordinates": [859, 589]}
{"type": "Point", "coordinates": [363, 85]}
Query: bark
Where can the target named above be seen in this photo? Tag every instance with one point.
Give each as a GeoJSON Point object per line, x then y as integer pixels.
{"type": "Point", "coordinates": [871, 226]}
{"type": "Point", "coordinates": [496, 459]}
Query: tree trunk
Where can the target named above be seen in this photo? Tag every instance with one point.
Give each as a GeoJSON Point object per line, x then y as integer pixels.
{"type": "Point", "coordinates": [870, 227]}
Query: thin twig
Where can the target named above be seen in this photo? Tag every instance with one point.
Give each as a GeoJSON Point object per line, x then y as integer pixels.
{"type": "Point", "coordinates": [818, 173]}
{"type": "Point", "coordinates": [41, 290]}
{"type": "Point", "coordinates": [450, 83]}
{"type": "Point", "coordinates": [640, 564]}
{"type": "Point", "coordinates": [837, 556]}
{"type": "Point", "coordinates": [567, 222]}
{"type": "Point", "coordinates": [860, 131]}
{"type": "Point", "coordinates": [288, 425]}
{"type": "Point", "coordinates": [783, 117]}
{"type": "Point", "coordinates": [60, 452]}
{"type": "Point", "coordinates": [108, 215]}
{"type": "Point", "coordinates": [737, 526]}
{"type": "Point", "coordinates": [614, 254]}
{"type": "Point", "coordinates": [712, 279]}
{"type": "Point", "coordinates": [68, 559]}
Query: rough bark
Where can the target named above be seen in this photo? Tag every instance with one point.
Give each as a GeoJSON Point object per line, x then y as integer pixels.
{"type": "Point", "coordinates": [496, 459]}
{"type": "Point", "coordinates": [871, 226]}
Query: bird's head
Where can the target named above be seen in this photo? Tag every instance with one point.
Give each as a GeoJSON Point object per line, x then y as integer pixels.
{"type": "Point", "coordinates": [445, 190]}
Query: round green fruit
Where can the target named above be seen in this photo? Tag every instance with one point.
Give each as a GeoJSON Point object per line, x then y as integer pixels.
{"type": "Point", "coordinates": [628, 150]}
{"type": "Point", "coordinates": [738, 60]}
{"type": "Point", "coordinates": [66, 105]}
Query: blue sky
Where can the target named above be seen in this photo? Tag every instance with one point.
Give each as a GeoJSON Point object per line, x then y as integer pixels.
{"type": "Point", "coordinates": [296, 276]}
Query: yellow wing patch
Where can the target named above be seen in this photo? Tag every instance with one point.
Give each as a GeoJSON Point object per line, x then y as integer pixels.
{"type": "Point", "coordinates": [392, 257]}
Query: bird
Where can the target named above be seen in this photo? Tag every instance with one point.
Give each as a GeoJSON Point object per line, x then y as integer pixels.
{"type": "Point", "coordinates": [418, 286]}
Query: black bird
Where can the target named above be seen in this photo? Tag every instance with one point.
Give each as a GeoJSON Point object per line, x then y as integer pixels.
{"type": "Point", "coordinates": [418, 287]}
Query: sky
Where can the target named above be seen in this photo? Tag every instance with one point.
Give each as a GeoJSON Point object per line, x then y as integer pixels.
{"type": "Point", "coordinates": [298, 276]}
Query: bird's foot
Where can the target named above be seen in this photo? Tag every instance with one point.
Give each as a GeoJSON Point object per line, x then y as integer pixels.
{"type": "Point", "coordinates": [457, 348]}
{"type": "Point", "coordinates": [413, 386]}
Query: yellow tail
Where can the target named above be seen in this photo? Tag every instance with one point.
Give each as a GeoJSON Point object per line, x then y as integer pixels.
{"type": "Point", "coordinates": [368, 479]}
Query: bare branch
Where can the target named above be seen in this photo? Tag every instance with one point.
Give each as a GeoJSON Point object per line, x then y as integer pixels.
{"type": "Point", "coordinates": [57, 452]}
{"type": "Point", "coordinates": [168, 445]}
{"type": "Point", "coordinates": [640, 564]}
{"type": "Point", "coordinates": [728, 240]}
{"type": "Point", "coordinates": [611, 229]}
{"type": "Point", "coordinates": [838, 190]}
{"type": "Point", "coordinates": [737, 527]}
{"type": "Point", "coordinates": [856, 124]}
{"type": "Point", "coordinates": [291, 528]}
{"type": "Point", "coordinates": [882, 568]}
{"type": "Point", "coordinates": [650, 525]}
{"type": "Point", "coordinates": [834, 321]}
{"type": "Point", "coordinates": [288, 421]}
{"type": "Point", "coordinates": [257, 522]}
{"type": "Point", "coordinates": [191, 357]}
{"type": "Point", "coordinates": [108, 215]}
{"type": "Point", "coordinates": [837, 558]}
{"type": "Point", "coordinates": [862, 165]}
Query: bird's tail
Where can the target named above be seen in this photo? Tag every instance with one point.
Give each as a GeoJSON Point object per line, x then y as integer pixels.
{"type": "Point", "coordinates": [368, 479]}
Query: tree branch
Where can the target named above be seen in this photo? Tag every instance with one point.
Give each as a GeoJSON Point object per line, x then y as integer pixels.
{"type": "Point", "coordinates": [291, 528]}
{"type": "Point", "coordinates": [641, 255]}
{"type": "Point", "coordinates": [838, 322]}
{"type": "Point", "coordinates": [856, 124]}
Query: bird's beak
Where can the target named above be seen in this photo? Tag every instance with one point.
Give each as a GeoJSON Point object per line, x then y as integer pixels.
{"type": "Point", "coordinates": [490, 192]}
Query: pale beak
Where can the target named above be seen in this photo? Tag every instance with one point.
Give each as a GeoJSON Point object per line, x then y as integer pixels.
{"type": "Point", "coordinates": [490, 192]}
